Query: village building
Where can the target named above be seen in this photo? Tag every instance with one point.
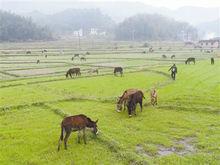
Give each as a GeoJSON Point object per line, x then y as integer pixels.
{"type": "Point", "coordinates": [209, 43]}
{"type": "Point", "coordinates": [78, 33]}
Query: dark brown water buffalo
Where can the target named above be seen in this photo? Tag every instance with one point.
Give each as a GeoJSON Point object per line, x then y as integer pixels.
{"type": "Point", "coordinates": [133, 99]}
{"type": "Point", "coordinates": [72, 71]}
{"type": "Point", "coordinates": [118, 70]}
{"type": "Point", "coordinates": [190, 59]}
{"type": "Point", "coordinates": [122, 100]}
{"type": "Point", "coordinates": [76, 123]}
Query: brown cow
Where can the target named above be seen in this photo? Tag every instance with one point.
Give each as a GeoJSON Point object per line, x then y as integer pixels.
{"type": "Point", "coordinates": [124, 98]}
{"type": "Point", "coordinates": [76, 123]}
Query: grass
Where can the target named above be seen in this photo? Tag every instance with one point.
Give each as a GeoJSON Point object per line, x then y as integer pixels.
{"type": "Point", "coordinates": [32, 108]}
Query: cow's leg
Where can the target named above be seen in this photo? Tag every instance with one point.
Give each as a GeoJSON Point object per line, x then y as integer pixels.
{"type": "Point", "coordinates": [78, 137]}
{"type": "Point", "coordinates": [66, 138]}
{"type": "Point", "coordinates": [125, 105]}
{"type": "Point", "coordinates": [134, 110]}
{"type": "Point", "coordinates": [140, 105]}
{"type": "Point", "coordinates": [84, 136]}
{"type": "Point", "coordinates": [129, 111]}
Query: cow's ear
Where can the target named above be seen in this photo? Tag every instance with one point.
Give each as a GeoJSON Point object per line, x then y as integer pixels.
{"type": "Point", "coordinates": [97, 121]}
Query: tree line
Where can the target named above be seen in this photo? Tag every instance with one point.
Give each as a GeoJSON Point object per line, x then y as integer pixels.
{"type": "Point", "coordinates": [153, 27]}
{"type": "Point", "coordinates": [17, 28]}
{"type": "Point", "coordinates": [140, 27]}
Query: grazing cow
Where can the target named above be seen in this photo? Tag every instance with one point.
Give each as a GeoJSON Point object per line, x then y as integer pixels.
{"type": "Point", "coordinates": [212, 61]}
{"type": "Point", "coordinates": [133, 99]}
{"type": "Point", "coordinates": [124, 98]}
{"type": "Point", "coordinates": [44, 51]}
{"type": "Point", "coordinates": [190, 59]}
{"type": "Point", "coordinates": [208, 51]}
{"type": "Point", "coordinates": [76, 123]}
{"type": "Point", "coordinates": [164, 56]}
{"type": "Point", "coordinates": [93, 71]}
{"type": "Point", "coordinates": [76, 55]}
{"type": "Point", "coordinates": [151, 50]}
{"type": "Point", "coordinates": [38, 61]}
{"type": "Point", "coordinates": [82, 59]}
{"type": "Point", "coordinates": [173, 56]}
{"type": "Point", "coordinates": [71, 71]}
{"type": "Point", "coordinates": [153, 96]}
{"type": "Point", "coordinates": [28, 52]}
{"type": "Point", "coordinates": [72, 58]}
{"type": "Point", "coordinates": [118, 69]}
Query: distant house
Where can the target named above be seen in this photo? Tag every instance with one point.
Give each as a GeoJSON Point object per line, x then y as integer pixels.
{"type": "Point", "coordinates": [102, 33]}
{"type": "Point", "coordinates": [78, 33]}
{"type": "Point", "coordinates": [209, 43]}
{"type": "Point", "coordinates": [94, 31]}
{"type": "Point", "coordinates": [97, 32]}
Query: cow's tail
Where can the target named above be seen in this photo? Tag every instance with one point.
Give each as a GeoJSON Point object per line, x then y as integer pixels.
{"type": "Point", "coordinates": [61, 137]}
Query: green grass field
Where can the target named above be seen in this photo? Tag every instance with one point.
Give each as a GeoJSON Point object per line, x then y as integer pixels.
{"type": "Point", "coordinates": [184, 128]}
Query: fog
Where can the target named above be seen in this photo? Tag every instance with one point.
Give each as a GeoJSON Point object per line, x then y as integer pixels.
{"type": "Point", "coordinates": [202, 15]}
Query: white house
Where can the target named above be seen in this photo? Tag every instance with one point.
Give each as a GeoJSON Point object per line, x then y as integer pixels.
{"type": "Point", "coordinates": [209, 43]}
{"type": "Point", "coordinates": [94, 31]}
{"type": "Point", "coordinates": [78, 33]}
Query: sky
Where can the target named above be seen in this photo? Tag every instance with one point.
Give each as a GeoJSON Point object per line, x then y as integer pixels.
{"type": "Point", "coordinates": [171, 4]}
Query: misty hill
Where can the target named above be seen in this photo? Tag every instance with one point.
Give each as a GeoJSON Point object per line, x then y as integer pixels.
{"type": "Point", "coordinates": [153, 27]}
{"type": "Point", "coordinates": [210, 29]}
{"type": "Point", "coordinates": [17, 28]}
{"type": "Point", "coordinates": [74, 19]}
{"type": "Point", "coordinates": [118, 11]}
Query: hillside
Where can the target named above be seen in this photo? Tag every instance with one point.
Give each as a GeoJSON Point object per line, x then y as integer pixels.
{"type": "Point", "coordinates": [153, 27]}
{"type": "Point", "coordinates": [210, 29]}
{"type": "Point", "coordinates": [74, 19]}
{"type": "Point", "coordinates": [17, 28]}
